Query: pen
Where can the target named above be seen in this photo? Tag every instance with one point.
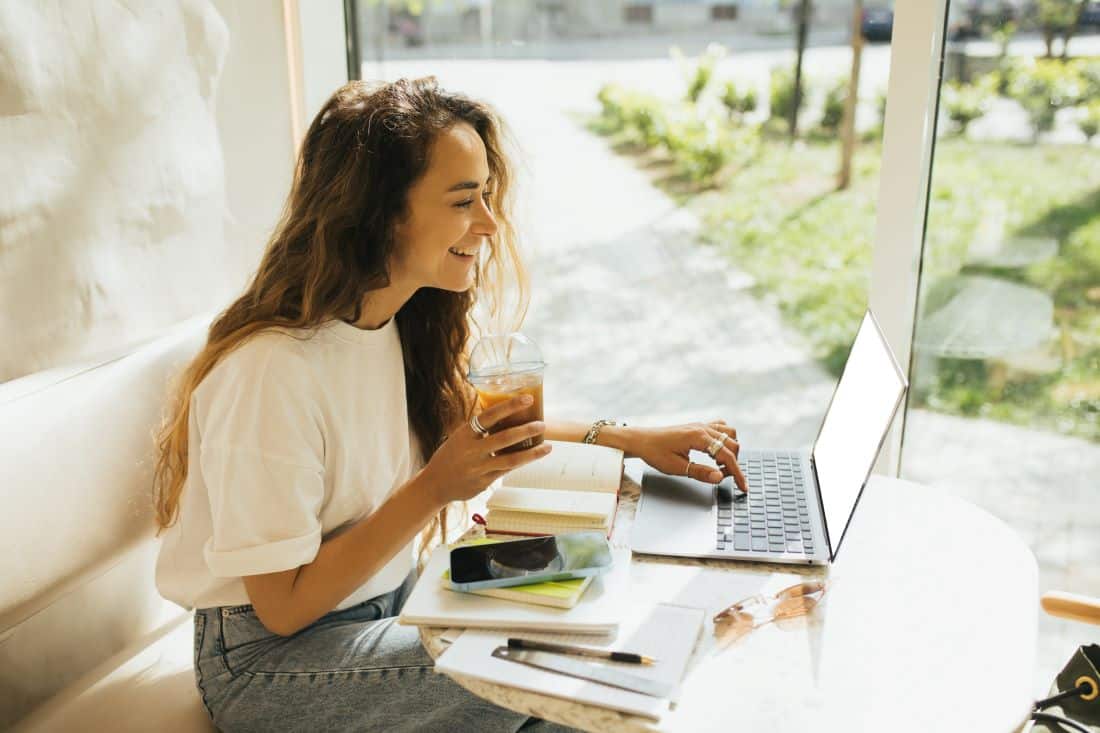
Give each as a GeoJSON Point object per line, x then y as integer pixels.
{"type": "Point", "coordinates": [545, 646]}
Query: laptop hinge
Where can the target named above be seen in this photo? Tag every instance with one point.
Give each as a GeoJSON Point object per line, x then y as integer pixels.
{"type": "Point", "coordinates": [821, 508]}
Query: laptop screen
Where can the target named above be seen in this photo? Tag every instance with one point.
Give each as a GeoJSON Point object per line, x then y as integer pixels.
{"type": "Point", "coordinates": [855, 426]}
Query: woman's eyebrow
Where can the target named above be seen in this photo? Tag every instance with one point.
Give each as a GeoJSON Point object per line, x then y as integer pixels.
{"type": "Point", "coordinates": [467, 184]}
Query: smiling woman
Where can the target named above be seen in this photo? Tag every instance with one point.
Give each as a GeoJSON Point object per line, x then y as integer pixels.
{"type": "Point", "coordinates": [328, 422]}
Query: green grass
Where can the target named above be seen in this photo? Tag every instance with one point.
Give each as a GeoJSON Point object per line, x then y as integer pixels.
{"type": "Point", "coordinates": [808, 247]}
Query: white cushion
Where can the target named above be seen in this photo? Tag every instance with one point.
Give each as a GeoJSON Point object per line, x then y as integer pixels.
{"type": "Point", "coordinates": [148, 687]}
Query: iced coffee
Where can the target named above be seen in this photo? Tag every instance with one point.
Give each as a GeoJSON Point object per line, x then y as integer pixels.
{"type": "Point", "coordinates": [507, 366]}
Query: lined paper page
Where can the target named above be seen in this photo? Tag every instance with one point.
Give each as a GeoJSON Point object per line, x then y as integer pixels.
{"type": "Point", "coordinates": [573, 466]}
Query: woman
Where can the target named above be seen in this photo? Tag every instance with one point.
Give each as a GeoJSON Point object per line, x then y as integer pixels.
{"type": "Point", "coordinates": [291, 476]}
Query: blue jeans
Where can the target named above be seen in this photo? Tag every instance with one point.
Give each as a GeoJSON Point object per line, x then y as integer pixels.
{"type": "Point", "coordinates": [353, 669]}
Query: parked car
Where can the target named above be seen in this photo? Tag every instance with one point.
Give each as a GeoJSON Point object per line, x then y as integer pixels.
{"type": "Point", "coordinates": [877, 24]}
{"type": "Point", "coordinates": [1090, 15]}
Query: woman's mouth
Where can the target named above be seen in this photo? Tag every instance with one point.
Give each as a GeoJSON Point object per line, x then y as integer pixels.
{"type": "Point", "coordinates": [464, 254]}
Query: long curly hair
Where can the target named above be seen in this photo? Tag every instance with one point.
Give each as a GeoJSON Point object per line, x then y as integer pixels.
{"type": "Point", "coordinates": [333, 243]}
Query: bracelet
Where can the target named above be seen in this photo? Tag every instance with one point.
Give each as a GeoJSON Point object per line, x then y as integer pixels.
{"type": "Point", "coordinates": [594, 431]}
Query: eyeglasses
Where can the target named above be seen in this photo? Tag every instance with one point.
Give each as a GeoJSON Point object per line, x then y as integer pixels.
{"type": "Point", "coordinates": [753, 612]}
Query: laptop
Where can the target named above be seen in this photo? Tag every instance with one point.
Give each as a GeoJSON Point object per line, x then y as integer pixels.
{"type": "Point", "coordinates": [799, 504]}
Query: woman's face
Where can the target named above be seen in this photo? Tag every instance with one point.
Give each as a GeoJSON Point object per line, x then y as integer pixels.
{"type": "Point", "coordinates": [449, 220]}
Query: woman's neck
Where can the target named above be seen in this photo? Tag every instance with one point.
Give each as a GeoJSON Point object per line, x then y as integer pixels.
{"type": "Point", "coordinates": [379, 306]}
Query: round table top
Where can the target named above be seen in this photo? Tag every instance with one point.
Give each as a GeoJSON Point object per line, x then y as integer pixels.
{"type": "Point", "coordinates": [929, 623]}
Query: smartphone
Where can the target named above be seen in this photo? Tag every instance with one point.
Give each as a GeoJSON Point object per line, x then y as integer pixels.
{"type": "Point", "coordinates": [534, 560]}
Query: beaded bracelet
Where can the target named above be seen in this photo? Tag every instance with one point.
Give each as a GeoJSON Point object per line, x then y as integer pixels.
{"type": "Point", "coordinates": [594, 431]}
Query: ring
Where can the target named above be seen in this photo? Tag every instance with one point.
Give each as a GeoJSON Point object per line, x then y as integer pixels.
{"type": "Point", "coordinates": [687, 471]}
{"type": "Point", "coordinates": [715, 446]}
{"type": "Point", "coordinates": [476, 425]}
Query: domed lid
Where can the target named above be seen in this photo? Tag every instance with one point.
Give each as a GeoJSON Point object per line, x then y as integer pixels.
{"type": "Point", "coordinates": [497, 355]}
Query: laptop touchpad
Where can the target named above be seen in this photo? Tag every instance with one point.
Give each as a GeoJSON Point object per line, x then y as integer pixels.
{"type": "Point", "coordinates": [675, 516]}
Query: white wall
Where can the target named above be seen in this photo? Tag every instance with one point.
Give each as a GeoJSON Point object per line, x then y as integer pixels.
{"type": "Point", "coordinates": [146, 151]}
{"type": "Point", "coordinates": [112, 194]}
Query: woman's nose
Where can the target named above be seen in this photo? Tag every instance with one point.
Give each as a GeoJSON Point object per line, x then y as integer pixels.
{"type": "Point", "coordinates": [485, 224]}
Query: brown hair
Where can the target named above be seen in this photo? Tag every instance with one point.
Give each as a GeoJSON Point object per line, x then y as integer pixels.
{"type": "Point", "coordinates": [363, 152]}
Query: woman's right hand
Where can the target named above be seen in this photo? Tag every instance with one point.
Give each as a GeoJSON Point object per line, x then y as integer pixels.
{"type": "Point", "coordinates": [465, 464]}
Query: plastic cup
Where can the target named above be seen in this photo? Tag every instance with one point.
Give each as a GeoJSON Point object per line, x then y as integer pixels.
{"type": "Point", "coordinates": [503, 366]}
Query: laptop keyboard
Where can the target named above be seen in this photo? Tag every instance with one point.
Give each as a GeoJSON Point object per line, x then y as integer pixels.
{"type": "Point", "coordinates": [773, 518]}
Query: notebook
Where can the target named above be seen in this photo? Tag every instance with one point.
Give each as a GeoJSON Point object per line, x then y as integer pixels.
{"type": "Point", "coordinates": [665, 631]}
{"type": "Point", "coordinates": [598, 612]}
{"type": "Point", "coordinates": [574, 488]}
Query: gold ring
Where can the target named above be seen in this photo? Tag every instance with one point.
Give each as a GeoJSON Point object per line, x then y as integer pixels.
{"type": "Point", "coordinates": [687, 471]}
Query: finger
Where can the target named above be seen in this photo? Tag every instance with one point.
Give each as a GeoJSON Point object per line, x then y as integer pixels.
{"type": "Point", "coordinates": [721, 426]}
{"type": "Point", "coordinates": [734, 468]}
{"type": "Point", "coordinates": [496, 413]}
{"type": "Point", "coordinates": [729, 444]}
{"type": "Point", "coordinates": [510, 461]}
{"type": "Point", "coordinates": [727, 458]}
{"type": "Point", "coordinates": [703, 472]}
{"type": "Point", "coordinates": [511, 436]}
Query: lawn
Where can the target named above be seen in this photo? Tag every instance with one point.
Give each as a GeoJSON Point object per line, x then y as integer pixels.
{"type": "Point", "coordinates": [777, 216]}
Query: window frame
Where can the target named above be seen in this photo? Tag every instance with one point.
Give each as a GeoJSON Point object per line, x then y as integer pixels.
{"type": "Point", "coordinates": [909, 136]}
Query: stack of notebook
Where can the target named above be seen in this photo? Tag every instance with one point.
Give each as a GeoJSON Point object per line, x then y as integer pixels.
{"type": "Point", "coordinates": [599, 612]}
{"type": "Point", "coordinates": [574, 488]}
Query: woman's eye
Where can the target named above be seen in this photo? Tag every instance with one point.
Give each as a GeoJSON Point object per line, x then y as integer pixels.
{"type": "Point", "coordinates": [468, 202]}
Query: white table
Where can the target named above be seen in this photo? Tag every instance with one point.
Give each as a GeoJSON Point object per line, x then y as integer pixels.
{"type": "Point", "coordinates": [929, 624]}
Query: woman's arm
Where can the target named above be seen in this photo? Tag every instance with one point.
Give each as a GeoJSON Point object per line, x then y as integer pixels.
{"type": "Point", "coordinates": [668, 449]}
{"type": "Point", "coordinates": [616, 436]}
{"type": "Point", "coordinates": [288, 601]}
{"type": "Point", "coordinates": [460, 469]}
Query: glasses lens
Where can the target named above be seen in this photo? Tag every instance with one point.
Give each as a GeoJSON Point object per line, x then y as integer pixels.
{"type": "Point", "coordinates": [794, 607]}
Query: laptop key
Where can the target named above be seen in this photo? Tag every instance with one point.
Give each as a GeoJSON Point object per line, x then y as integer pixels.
{"type": "Point", "coordinates": [741, 541]}
{"type": "Point", "coordinates": [759, 544]}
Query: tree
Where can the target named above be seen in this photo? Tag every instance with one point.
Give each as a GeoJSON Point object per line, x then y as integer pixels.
{"type": "Point", "coordinates": [802, 23]}
{"type": "Point", "coordinates": [1058, 18]}
{"type": "Point", "coordinates": [848, 126]}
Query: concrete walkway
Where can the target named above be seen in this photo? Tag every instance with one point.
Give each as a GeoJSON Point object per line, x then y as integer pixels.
{"type": "Point", "coordinates": [639, 320]}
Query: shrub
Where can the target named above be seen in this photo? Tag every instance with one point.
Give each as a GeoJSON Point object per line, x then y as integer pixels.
{"type": "Point", "coordinates": [702, 145]}
{"type": "Point", "coordinates": [738, 103]}
{"type": "Point", "coordinates": [965, 103]}
{"type": "Point", "coordinates": [1042, 87]}
{"type": "Point", "coordinates": [704, 71]}
{"type": "Point", "coordinates": [833, 113]}
{"type": "Point", "coordinates": [781, 95]}
{"type": "Point", "coordinates": [638, 116]}
{"type": "Point", "coordinates": [1089, 123]}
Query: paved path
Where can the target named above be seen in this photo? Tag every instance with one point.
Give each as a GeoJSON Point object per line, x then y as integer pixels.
{"type": "Point", "coordinates": [638, 320]}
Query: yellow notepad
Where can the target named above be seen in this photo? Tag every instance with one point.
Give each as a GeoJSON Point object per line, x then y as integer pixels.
{"type": "Point", "coordinates": [556, 593]}
{"type": "Point", "coordinates": [574, 488]}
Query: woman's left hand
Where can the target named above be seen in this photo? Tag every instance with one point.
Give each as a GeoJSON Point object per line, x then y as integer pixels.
{"type": "Point", "coordinates": [668, 450]}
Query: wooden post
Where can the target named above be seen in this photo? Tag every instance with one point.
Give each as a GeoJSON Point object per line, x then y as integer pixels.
{"type": "Point", "coordinates": [848, 127]}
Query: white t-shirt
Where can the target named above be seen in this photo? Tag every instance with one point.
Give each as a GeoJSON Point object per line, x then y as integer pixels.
{"type": "Point", "coordinates": [291, 438]}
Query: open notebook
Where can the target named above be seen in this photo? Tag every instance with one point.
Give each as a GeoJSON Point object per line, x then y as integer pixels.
{"type": "Point", "coordinates": [574, 488]}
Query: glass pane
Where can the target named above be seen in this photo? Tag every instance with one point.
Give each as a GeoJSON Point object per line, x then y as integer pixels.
{"type": "Point", "coordinates": [689, 260]}
{"type": "Point", "coordinates": [1005, 400]}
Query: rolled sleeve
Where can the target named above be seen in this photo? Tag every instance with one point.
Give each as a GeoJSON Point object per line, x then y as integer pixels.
{"type": "Point", "coordinates": [264, 511]}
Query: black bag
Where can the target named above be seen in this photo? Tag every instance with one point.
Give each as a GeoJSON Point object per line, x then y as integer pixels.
{"type": "Point", "coordinates": [1076, 704]}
